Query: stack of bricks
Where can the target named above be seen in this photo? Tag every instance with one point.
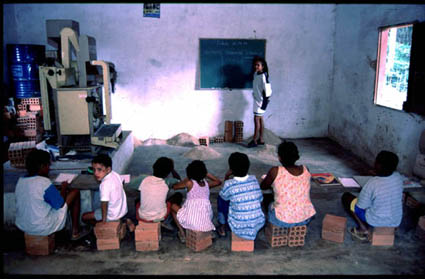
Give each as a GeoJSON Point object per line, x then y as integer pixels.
{"type": "Point", "coordinates": [18, 152]}
{"type": "Point", "coordinates": [382, 236]}
{"type": "Point", "coordinates": [107, 235]}
{"type": "Point", "coordinates": [31, 104]}
{"type": "Point", "coordinates": [219, 139]}
{"type": "Point", "coordinates": [333, 228]}
{"type": "Point", "coordinates": [204, 141]}
{"type": "Point", "coordinates": [198, 241]}
{"type": "Point", "coordinates": [238, 131]}
{"type": "Point", "coordinates": [276, 236]}
{"type": "Point", "coordinates": [296, 236]}
{"type": "Point", "coordinates": [22, 110]}
{"type": "Point", "coordinates": [241, 244]}
{"type": "Point", "coordinates": [31, 125]}
{"type": "Point", "coordinates": [147, 235]}
{"type": "Point", "coordinates": [228, 131]}
{"type": "Point", "coordinates": [39, 245]}
{"type": "Point", "coordinates": [420, 228]}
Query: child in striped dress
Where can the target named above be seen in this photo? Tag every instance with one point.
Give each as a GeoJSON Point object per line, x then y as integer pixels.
{"type": "Point", "coordinates": [245, 217]}
{"type": "Point", "coordinates": [196, 213]}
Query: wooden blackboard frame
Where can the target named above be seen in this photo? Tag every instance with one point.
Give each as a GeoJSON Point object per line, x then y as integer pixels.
{"type": "Point", "coordinates": [235, 69]}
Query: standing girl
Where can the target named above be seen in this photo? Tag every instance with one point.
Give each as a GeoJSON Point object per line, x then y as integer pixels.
{"type": "Point", "coordinates": [261, 93]}
{"type": "Point", "coordinates": [196, 213]}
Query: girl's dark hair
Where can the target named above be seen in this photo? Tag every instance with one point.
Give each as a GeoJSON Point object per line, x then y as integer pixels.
{"type": "Point", "coordinates": [35, 160]}
{"type": "Point", "coordinates": [239, 164]}
{"type": "Point", "coordinates": [265, 67]}
{"type": "Point", "coordinates": [102, 159]}
{"type": "Point", "coordinates": [288, 153]}
{"type": "Point", "coordinates": [196, 170]}
{"type": "Point", "coordinates": [162, 167]}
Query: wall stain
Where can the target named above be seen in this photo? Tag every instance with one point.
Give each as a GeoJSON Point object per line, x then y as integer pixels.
{"type": "Point", "coordinates": [155, 63]}
{"type": "Point", "coordinates": [372, 63]}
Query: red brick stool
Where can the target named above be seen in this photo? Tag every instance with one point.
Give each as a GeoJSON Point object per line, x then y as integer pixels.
{"type": "Point", "coordinates": [420, 228]}
{"type": "Point", "coordinates": [333, 228]}
{"type": "Point", "coordinates": [228, 131]}
{"type": "Point", "coordinates": [108, 235]}
{"type": "Point", "coordinates": [296, 235]}
{"type": "Point", "coordinates": [147, 236]}
{"type": "Point", "coordinates": [39, 245]}
{"type": "Point", "coordinates": [276, 236]}
{"type": "Point", "coordinates": [382, 236]}
{"type": "Point", "coordinates": [198, 241]}
{"type": "Point", "coordinates": [241, 244]}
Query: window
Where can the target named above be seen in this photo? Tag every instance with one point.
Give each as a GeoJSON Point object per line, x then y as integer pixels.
{"type": "Point", "coordinates": [400, 68]}
{"type": "Point", "coordinates": [393, 66]}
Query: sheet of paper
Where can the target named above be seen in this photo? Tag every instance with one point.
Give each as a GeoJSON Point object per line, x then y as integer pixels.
{"type": "Point", "coordinates": [125, 177]}
{"type": "Point", "coordinates": [68, 177]}
{"type": "Point", "coordinates": [348, 182]}
{"type": "Point", "coordinates": [362, 179]}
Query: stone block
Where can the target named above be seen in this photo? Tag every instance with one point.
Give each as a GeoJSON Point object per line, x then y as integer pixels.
{"type": "Point", "coordinates": [147, 246]}
{"type": "Point", "coordinates": [294, 241]}
{"type": "Point", "coordinates": [333, 228]}
{"type": "Point", "coordinates": [198, 241]}
{"type": "Point", "coordinates": [382, 236]}
{"type": "Point", "coordinates": [241, 245]}
{"type": "Point", "coordinates": [228, 131]}
{"type": "Point", "coordinates": [39, 245]}
{"type": "Point", "coordinates": [108, 244]}
{"type": "Point", "coordinates": [106, 230]}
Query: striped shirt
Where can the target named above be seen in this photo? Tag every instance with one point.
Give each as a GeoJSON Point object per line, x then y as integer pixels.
{"type": "Point", "coordinates": [196, 213]}
{"type": "Point", "coordinates": [245, 215]}
{"type": "Point", "coordinates": [381, 197]}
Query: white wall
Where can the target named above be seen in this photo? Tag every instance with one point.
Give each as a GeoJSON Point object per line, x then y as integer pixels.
{"type": "Point", "coordinates": [355, 122]}
{"type": "Point", "coordinates": [158, 61]}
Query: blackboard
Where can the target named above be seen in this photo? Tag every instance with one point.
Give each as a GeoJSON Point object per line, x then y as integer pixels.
{"type": "Point", "coordinates": [227, 63]}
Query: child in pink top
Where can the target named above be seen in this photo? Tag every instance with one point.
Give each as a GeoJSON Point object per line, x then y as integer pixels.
{"type": "Point", "coordinates": [291, 187]}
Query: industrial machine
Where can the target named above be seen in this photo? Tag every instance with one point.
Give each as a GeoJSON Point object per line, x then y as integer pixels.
{"type": "Point", "coordinates": [75, 93]}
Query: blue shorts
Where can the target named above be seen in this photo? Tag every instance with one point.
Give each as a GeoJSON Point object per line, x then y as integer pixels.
{"type": "Point", "coordinates": [360, 212]}
{"type": "Point", "coordinates": [273, 219]}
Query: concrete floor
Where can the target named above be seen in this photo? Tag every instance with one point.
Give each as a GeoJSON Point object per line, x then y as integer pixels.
{"type": "Point", "coordinates": [317, 256]}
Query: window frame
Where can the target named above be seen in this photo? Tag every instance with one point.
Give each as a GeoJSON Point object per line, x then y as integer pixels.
{"type": "Point", "coordinates": [380, 52]}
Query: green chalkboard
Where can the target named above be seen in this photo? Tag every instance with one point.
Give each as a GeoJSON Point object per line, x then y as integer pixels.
{"type": "Point", "coordinates": [227, 63]}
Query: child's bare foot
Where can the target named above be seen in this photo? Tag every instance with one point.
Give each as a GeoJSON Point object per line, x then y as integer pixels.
{"type": "Point", "coordinates": [130, 225]}
{"type": "Point", "coordinates": [221, 231]}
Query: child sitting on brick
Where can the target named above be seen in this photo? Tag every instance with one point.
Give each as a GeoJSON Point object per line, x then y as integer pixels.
{"type": "Point", "coordinates": [113, 201]}
{"type": "Point", "coordinates": [40, 208]}
{"type": "Point", "coordinates": [379, 203]}
{"type": "Point", "coordinates": [245, 216]}
{"type": "Point", "coordinates": [291, 188]}
{"type": "Point", "coordinates": [154, 205]}
{"type": "Point", "coordinates": [196, 213]}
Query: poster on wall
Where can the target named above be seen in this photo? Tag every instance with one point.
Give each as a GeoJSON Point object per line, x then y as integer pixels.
{"type": "Point", "coordinates": [151, 10]}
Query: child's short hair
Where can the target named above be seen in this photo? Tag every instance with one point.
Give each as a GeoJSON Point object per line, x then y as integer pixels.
{"type": "Point", "coordinates": [102, 159]}
{"type": "Point", "coordinates": [196, 170]}
{"type": "Point", "coordinates": [288, 153]}
{"type": "Point", "coordinates": [239, 164]}
{"type": "Point", "coordinates": [162, 167]}
{"type": "Point", "coordinates": [388, 161]}
{"type": "Point", "coordinates": [35, 159]}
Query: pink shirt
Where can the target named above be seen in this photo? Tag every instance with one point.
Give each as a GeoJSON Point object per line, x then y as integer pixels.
{"type": "Point", "coordinates": [292, 196]}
